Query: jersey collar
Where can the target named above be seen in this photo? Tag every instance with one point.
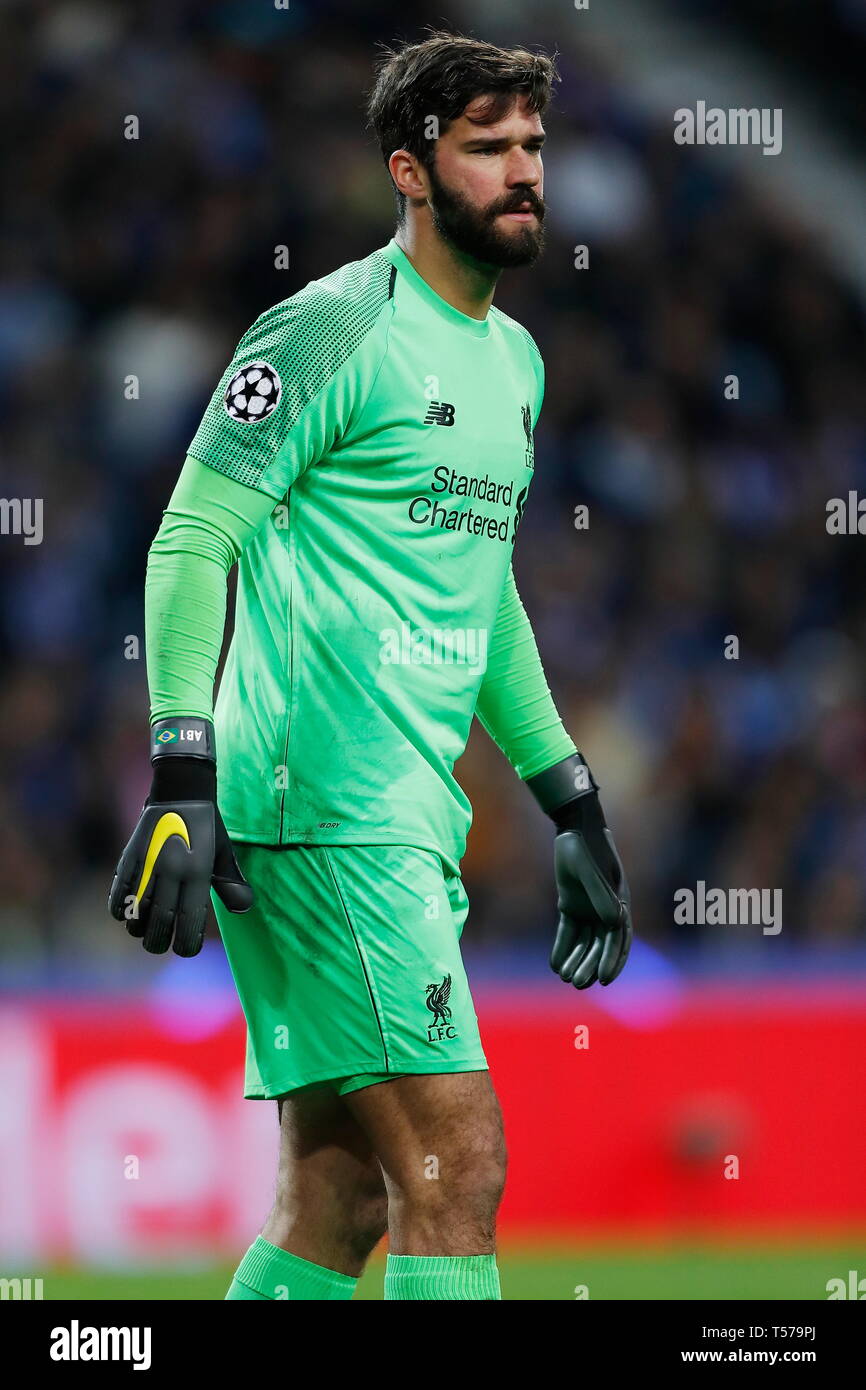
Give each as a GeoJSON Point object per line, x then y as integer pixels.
{"type": "Point", "coordinates": [478, 328]}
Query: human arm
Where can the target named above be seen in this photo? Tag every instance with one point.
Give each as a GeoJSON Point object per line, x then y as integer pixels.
{"type": "Point", "coordinates": [180, 847]}
{"type": "Point", "coordinates": [289, 393]}
{"type": "Point", "coordinates": [516, 708]}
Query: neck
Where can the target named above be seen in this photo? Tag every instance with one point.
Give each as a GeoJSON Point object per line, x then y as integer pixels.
{"type": "Point", "coordinates": [462, 283]}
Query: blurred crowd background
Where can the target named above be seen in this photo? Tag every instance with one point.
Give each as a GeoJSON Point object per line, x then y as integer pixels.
{"type": "Point", "coordinates": [707, 516]}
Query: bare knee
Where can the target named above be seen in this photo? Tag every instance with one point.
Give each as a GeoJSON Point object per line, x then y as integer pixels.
{"type": "Point", "coordinates": [440, 1143]}
{"type": "Point", "coordinates": [449, 1201]}
{"type": "Point", "coordinates": [352, 1215]}
{"type": "Point", "coordinates": [462, 1174]}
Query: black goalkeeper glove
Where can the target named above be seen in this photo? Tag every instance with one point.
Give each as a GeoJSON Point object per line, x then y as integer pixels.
{"type": "Point", "coordinates": [594, 934]}
{"type": "Point", "coordinates": [180, 846]}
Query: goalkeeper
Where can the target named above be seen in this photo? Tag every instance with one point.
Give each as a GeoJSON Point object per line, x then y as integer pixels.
{"type": "Point", "coordinates": [366, 459]}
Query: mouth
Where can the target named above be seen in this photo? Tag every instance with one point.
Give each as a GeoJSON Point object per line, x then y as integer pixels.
{"type": "Point", "coordinates": [525, 213]}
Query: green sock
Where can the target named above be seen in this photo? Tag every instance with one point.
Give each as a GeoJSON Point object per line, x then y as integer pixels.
{"type": "Point", "coordinates": [441, 1276]}
{"type": "Point", "coordinates": [237, 1290]}
{"type": "Point", "coordinates": [268, 1271]}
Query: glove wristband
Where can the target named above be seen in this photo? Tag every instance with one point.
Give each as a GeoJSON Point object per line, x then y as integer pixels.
{"type": "Point", "coordinates": [182, 736]}
{"type": "Point", "coordinates": [565, 782]}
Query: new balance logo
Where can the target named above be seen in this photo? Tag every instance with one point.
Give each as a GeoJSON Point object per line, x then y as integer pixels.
{"type": "Point", "coordinates": [439, 413]}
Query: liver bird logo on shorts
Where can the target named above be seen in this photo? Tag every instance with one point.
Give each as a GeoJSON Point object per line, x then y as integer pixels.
{"type": "Point", "coordinates": [437, 1003]}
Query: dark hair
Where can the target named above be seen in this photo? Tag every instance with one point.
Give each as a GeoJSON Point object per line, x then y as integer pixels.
{"type": "Point", "coordinates": [439, 77]}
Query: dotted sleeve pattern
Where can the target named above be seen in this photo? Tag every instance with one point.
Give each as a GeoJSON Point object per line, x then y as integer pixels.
{"type": "Point", "coordinates": [279, 404]}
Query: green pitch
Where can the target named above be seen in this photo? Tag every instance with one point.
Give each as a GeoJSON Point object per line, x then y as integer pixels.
{"type": "Point", "coordinates": [681, 1273]}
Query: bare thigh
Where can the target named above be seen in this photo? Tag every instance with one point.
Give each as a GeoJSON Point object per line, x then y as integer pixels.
{"type": "Point", "coordinates": [440, 1143]}
{"type": "Point", "coordinates": [331, 1203]}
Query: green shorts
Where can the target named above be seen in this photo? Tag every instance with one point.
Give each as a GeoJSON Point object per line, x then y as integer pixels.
{"type": "Point", "coordinates": [348, 967]}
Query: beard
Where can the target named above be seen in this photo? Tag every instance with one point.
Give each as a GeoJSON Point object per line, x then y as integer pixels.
{"type": "Point", "coordinates": [473, 231]}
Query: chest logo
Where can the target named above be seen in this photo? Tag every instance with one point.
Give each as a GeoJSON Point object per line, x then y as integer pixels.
{"type": "Point", "coordinates": [439, 413]}
{"type": "Point", "coordinates": [530, 443]}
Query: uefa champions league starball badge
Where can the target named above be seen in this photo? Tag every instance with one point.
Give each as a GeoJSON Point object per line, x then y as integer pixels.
{"type": "Point", "coordinates": [253, 393]}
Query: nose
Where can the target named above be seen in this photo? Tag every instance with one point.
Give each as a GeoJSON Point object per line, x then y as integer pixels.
{"type": "Point", "coordinates": [524, 168]}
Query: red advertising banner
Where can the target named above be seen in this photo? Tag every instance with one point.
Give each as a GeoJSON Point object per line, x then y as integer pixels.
{"type": "Point", "coordinates": [124, 1137]}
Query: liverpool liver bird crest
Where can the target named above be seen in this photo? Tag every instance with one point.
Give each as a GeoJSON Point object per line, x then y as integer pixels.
{"type": "Point", "coordinates": [437, 1001]}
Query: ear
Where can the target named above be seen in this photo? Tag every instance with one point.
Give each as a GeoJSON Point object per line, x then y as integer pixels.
{"type": "Point", "coordinates": [409, 175]}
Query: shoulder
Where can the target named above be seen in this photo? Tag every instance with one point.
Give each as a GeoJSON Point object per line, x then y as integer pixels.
{"type": "Point", "coordinates": [520, 336]}
{"type": "Point", "coordinates": [525, 347]}
{"type": "Point", "coordinates": [517, 331]}
{"type": "Point", "coordinates": [336, 311]}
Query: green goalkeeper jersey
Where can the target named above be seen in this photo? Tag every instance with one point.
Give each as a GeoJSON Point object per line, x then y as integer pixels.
{"type": "Point", "coordinates": [395, 436]}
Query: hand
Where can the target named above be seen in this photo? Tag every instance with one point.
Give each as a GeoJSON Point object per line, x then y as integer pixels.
{"type": "Point", "coordinates": [594, 934]}
{"type": "Point", "coordinates": [177, 852]}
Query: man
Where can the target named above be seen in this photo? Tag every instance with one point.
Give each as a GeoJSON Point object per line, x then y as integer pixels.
{"type": "Point", "coordinates": [366, 460]}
